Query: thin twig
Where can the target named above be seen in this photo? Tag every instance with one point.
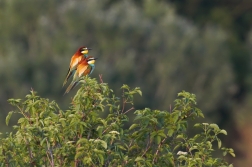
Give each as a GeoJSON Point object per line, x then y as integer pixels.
{"type": "Point", "coordinates": [132, 108]}
{"type": "Point", "coordinates": [78, 146]}
{"type": "Point", "coordinates": [147, 146]}
{"type": "Point", "coordinates": [100, 75]}
{"type": "Point", "coordinates": [75, 163]}
{"type": "Point", "coordinates": [130, 143]}
{"type": "Point", "coordinates": [89, 133]}
{"type": "Point", "coordinates": [158, 149]}
{"type": "Point", "coordinates": [21, 110]}
{"type": "Point", "coordinates": [30, 152]}
{"type": "Point", "coordinates": [123, 101]}
{"type": "Point", "coordinates": [48, 157]}
{"type": "Point", "coordinates": [50, 152]}
{"type": "Point", "coordinates": [189, 151]}
{"type": "Point", "coordinates": [105, 130]}
{"type": "Point", "coordinates": [6, 158]}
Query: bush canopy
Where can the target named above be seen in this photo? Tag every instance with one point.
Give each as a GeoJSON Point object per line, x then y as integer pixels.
{"type": "Point", "coordinates": [45, 135]}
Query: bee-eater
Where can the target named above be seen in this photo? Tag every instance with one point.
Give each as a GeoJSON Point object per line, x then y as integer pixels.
{"type": "Point", "coordinates": [80, 54]}
{"type": "Point", "coordinates": [85, 67]}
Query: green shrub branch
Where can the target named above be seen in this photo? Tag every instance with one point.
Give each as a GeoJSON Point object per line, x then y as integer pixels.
{"type": "Point", "coordinates": [45, 135]}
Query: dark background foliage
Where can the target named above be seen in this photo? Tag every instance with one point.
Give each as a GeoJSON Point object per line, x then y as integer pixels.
{"type": "Point", "coordinates": [203, 47]}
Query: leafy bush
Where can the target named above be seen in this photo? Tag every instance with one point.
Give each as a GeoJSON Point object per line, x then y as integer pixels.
{"type": "Point", "coordinates": [48, 136]}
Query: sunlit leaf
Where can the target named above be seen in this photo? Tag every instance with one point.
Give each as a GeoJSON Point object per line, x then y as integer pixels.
{"type": "Point", "coordinates": [133, 126]}
{"type": "Point", "coordinates": [8, 117]}
{"type": "Point", "coordinates": [223, 132]}
{"type": "Point", "coordinates": [219, 142]}
{"type": "Point", "coordinates": [139, 159]}
{"type": "Point", "coordinates": [215, 126]}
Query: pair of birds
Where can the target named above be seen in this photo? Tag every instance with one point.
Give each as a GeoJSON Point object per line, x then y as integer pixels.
{"type": "Point", "coordinates": [80, 65]}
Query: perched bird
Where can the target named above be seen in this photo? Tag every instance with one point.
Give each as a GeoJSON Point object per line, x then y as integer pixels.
{"type": "Point", "coordinates": [85, 67]}
{"type": "Point", "coordinates": [81, 53]}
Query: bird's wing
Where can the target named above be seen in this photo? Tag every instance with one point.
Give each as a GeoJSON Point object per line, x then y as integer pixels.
{"type": "Point", "coordinates": [92, 69]}
{"type": "Point", "coordinates": [71, 86]}
{"type": "Point", "coordinates": [81, 69]}
{"type": "Point", "coordinates": [69, 74]}
{"type": "Point", "coordinates": [75, 60]}
{"type": "Point", "coordinates": [87, 71]}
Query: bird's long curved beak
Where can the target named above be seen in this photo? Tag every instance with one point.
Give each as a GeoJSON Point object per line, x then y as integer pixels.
{"type": "Point", "coordinates": [89, 48]}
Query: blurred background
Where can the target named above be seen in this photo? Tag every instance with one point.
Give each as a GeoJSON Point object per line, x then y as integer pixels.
{"type": "Point", "coordinates": [162, 46]}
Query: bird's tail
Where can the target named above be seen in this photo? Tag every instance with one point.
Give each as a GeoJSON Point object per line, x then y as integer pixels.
{"type": "Point", "coordinates": [70, 87]}
{"type": "Point", "coordinates": [69, 74]}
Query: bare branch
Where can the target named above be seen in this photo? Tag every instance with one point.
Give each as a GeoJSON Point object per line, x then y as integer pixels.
{"type": "Point", "coordinates": [100, 75]}
{"type": "Point", "coordinates": [50, 152]}
{"type": "Point", "coordinates": [160, 144]}
{"type": "Point", "coordinates": [123, 101]}
{"type": "Point", "coordinates": [132, 108]}
{"type": "Point", "coordinates": [147, 146]}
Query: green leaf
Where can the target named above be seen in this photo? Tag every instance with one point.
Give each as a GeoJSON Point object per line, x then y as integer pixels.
{"type": "Point", "coordinates": [103, 143]}
{"type": "Point", "coordinates": [161, 133]}
{"type": "Point", "coordinates": [21, 120]}
{"type": "Point", "coordinates": [121, 147]}
{"type": "Point", "coordinates": [154, 120]}
{"type": "Point", "coordinates": [233, 154]}
{"type": "Point", "coordinates": [201, 114]}
{"type": "Point", "coordinates": [176, 147]}
{"type": "Point", "coordinates": [8, 117]}
{"type": "Point", "coordinates": [219, 142]}
{"type": "Point", "coordinates": [193, 148]}
{"type": "Point", "coordinates": [157, 139]}
{"type": "Point", "coordinates": [137, 89]}
{"type": "Point", "coordinates": [87, 160]}
{"type": "Point", "coordinates": [98, 151]}
{"type": "Point", "coordinates": [180, 136]}
{"type": "Point", "coordinates": [133, 147]}
{"type": "Point", "coordinates": [99, 129]}
{"type": "Point", "coordinates": [125, 87]}
{"type": "Point", "coordinates": [224, 153]}
{"type": "Point", "coordinates": [170, 132]}
{"type": "Point", "coordinates": [139, 159]}
{"type": "Point", "coordinates": [101, 158]}
{"type": "Point", "coordinates": [42, 141]}
{"type": "Point", "coordinates": [82, 141]}
{"type": "Point", "coordinates": [223, 132]}
{"type": "Point", "coordinates": [214, 126]}
{"type": "Point", "coordinates": [182, 157]}
{"type": "Point", "coordinates": [15, 127]}
{"type": "Point", "coordinates": [209, 144]}
{"type": "Point", "coordinates": [14, 102]}
{"type": "Point", "coordinates": [133, 126]}
{"type": "Point", "coordinates": [197, 125]}
{"type": "Point", "coordinates": [175, 117]}
{"type": "Point", "coordinates": [231, 150]}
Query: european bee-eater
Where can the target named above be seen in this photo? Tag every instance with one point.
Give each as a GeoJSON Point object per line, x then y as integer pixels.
{"type": "Point", "coordinates": [80, 54]}
{"type": "Point", "coordinates": [85, 67]}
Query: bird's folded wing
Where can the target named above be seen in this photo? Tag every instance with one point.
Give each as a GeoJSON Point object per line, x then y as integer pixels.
{"type": "Point", "coordinates": [88, 70]}
{"type": "Point", "coordinates": [81, 69]}
{"type": "Point", "coordinates": [75, 61]}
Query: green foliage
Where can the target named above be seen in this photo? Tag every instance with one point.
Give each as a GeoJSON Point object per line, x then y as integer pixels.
{"type": "Point", "coordinates": [136, 44]}
{"type": "Point", "coordinates": [46, 135]}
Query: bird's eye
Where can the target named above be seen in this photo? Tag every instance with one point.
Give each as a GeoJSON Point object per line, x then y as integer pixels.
{"type": "Point", "coordinates": [91, 59]}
